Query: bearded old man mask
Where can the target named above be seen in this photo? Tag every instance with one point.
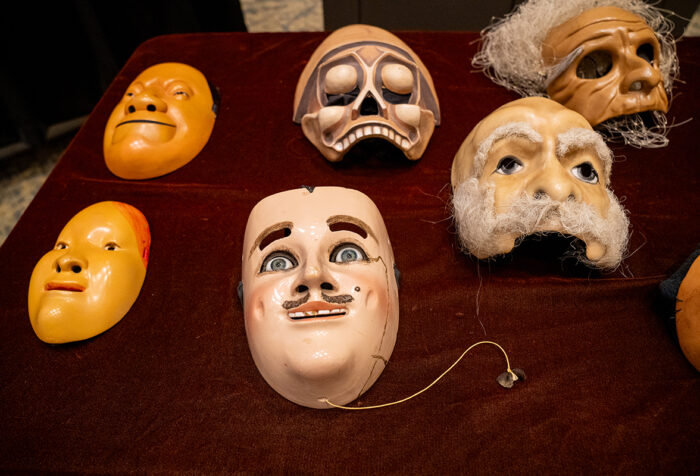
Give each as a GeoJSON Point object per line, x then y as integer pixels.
{"type": "Point", "coordinates": [163, 121]}
{"type": "Point", "coordinates": [92, 276]}
{"type": "Point", "coordinates": [319, 292]}
{"type": "Point", "coordinates": [534, 166]}
{"type": "Point", "coordinates": [608, 60]}
{"type": "Point", "coordinates": [364, 82]}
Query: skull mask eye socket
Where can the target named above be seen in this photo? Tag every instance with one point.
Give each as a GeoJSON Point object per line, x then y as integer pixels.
{"type": "Point", "coordinates": [341, 85]}
{"type": "Point", "coordinates": [397, 83]}
{"type": "Point", "coordinates": [594, 65]}
{"type": "Point", "coordinates": [646, 52]}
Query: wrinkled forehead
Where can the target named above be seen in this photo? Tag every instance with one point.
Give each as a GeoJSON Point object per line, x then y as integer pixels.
{"type": "Point", "coordinates": [167, 72]}
{"type": "Point", "coordinates": [542, 115]}
{"type": "Point", "coordinates": [304, 210]}
{"type": "Point", "coordinates": [593, 24]}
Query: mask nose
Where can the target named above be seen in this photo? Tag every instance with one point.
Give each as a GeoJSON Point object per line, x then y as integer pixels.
{"type": "Point", "coordinates": [146, 101]}
{"type": "Point", "coordinates": [642, 76]}
{"type": "Point", "coordinates": [69, 263]}
{"type": "Point", "coordinates": [553, 182]}
{"type": "Point", "coordinates": [315, 278]}
{"type": "Point", "coordinates": [369, 106]}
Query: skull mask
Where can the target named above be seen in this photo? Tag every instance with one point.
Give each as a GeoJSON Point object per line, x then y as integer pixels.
{"type": "Point", "coordinates": [364, 82]}
{"type": "Point", "coordinates": [533, 166]}
{"type": "Point", "coordinates": [607, 65]}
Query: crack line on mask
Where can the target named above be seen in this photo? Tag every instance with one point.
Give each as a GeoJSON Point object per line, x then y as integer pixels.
{"type": "Point", "coordinates": [386, 323]}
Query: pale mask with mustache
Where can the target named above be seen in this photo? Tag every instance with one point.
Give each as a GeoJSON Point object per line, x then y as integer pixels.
{"type": "Point", "coordinates": [319, 292]}
{"type": "Point", "coordinates": [163, 121]}
{"type": "Point", "coordinates": [534, 166]}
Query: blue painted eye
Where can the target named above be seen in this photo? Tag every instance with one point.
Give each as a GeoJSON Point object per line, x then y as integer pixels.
{"type": "Point", "coordinates": [278, 261]}
{"type": "Point", "coordinates": [585, 172]}
{"type": "Point", "coordinates": [346, 253]}
{"type": "Point", "coordinates": [509, 165]}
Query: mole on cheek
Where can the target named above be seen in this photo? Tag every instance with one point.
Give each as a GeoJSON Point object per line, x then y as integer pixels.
{"type": "Point", "coordinates": [357, 289]}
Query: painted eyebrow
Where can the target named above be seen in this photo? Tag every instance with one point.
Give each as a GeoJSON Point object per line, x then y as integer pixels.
{"type": "Point", "coordinates": [511, 129]}
{"type": "Point", "coordinates": [349, 223]}
{"type": "Point", "coordinates": [579, 138]}
{"type": "Point", "coordinates": [271, 232]}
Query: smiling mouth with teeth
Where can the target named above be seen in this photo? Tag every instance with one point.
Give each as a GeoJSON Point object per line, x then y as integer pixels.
{"type": "Point", "coordinates": [364, 132]}
{"type": "Point", "coordinates": [317, 310]}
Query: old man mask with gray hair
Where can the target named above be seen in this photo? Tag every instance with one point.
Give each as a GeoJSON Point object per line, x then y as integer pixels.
{"type": "Point", "coordinates": [533, 166]}
{"type": "Point", "coordinates": [612, 61]}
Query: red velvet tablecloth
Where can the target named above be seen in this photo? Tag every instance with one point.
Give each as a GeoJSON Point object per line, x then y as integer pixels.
{"type": "Point", "coordinates": [173, 386]}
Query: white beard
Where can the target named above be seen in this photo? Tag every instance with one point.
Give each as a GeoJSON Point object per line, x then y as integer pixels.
{"type": "Point", "coordinates": [479, 227]}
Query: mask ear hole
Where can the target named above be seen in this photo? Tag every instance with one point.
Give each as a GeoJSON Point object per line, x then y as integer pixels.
{"type": "Point", "coordinates": [646, 52]}
{"type": "Point", "coordinates": [594, 65]}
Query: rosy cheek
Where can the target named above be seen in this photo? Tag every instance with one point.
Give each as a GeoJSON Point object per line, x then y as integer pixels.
{"type": "Point", "coordinates": [375, 295]}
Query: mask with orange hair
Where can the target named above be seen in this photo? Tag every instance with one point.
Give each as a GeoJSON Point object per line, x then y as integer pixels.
{"type": "Point", "coordinates": [92, 276]}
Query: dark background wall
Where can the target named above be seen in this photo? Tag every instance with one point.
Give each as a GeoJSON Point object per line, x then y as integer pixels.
{"type": "Point", "coordinates": [59, 57]}
{"type": "Point", "coordinates": [447, 15]}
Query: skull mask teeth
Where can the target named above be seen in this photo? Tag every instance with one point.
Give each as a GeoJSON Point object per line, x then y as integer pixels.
{"type": "Point", "coordinates": [367, 89]}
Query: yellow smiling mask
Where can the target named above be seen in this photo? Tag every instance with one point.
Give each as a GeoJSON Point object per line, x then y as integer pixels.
{"type": "Point", "coordinates": [92, 276]}
{"type": "Point", "coordinates": [163, 121]}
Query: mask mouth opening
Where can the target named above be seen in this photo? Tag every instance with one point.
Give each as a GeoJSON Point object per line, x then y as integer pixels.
{"type": "Point", "coordinates": [317, 310]}
{"type": "Point", "coordinates": [145, 121]}
{"type": "Point", "coordinates": [542, 251]}
{"type": "Point", "coordinates": [320, 314]}
{"type": "Point", "coordinates": [374, 151]}
{"type": "Point", "coordinates": [367, 130]}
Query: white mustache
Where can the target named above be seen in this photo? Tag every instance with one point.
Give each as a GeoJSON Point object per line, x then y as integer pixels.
{"type": "Point", "coordinates": [481, 231]}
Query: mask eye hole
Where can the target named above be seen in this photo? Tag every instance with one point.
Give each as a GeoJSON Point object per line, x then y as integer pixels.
{"type": "Point", "coordinates": [278, 261]}
{"type": "Point", "coordinates": [111, 246]}
{"type": "Point", "coordinates": [585, 172]}
{"type": "Point", "coordinates": [61, 245]}
{"type": "Point", "coordinates": [342, 99]}
{"type": "Point", "coordinates": [397, 82]}
{"type": "Point", "coordinates": [340, 85]}
{"type": "Point", "coordinates": [646, 52]}
{"type": "Point", "coordinates": [347, 253]}
{"type": "Point", "coordinates": [509, 165]}
{"type": "Point", "coordinates": [594, 65]}
{"type": "Point", "coordinates": [393, 98]}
